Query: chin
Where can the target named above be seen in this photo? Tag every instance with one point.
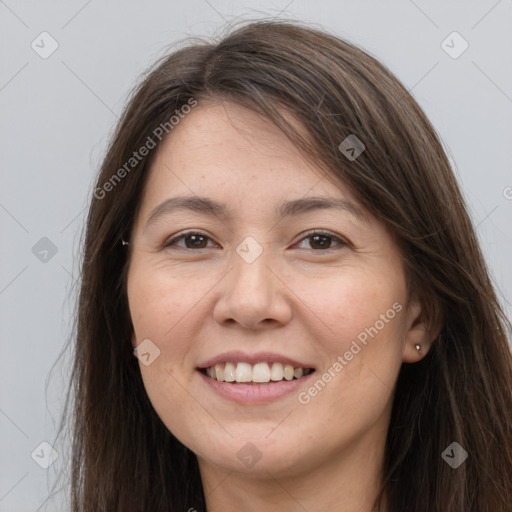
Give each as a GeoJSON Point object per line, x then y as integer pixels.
{"type": "Point", "coordinates": [258, 456]}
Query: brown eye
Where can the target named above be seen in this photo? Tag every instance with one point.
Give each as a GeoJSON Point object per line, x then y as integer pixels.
{"type": "Point", "coordinates": [320, 241]}
{"type": "Point", "coordinates": [323, 241]}
{"type": "Point", "coordinates": [192, 240]}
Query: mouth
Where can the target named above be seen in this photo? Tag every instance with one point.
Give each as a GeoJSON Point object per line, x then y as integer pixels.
{"type": "Point", "coordinates": [262, 373]}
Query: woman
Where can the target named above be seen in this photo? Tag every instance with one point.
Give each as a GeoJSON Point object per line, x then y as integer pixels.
{"type": "Point", "coordinates": [277, 237]}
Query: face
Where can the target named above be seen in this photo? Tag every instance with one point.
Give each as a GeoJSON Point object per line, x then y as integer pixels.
{"type": "Point", "coordinates": [261, 276]}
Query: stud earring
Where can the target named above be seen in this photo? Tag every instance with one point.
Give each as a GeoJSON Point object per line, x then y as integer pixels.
{"type": "Point", "coordinates": [418, 348]}
{"type": "Point", "coordinates": [124, 243]}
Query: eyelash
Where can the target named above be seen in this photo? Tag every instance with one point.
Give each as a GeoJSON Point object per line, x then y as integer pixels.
{"type": "Point", "coordinates": [341, 242]}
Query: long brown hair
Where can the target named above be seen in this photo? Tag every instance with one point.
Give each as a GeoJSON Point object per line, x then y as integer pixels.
{"type": "Point", "coordinates": [123, 456]}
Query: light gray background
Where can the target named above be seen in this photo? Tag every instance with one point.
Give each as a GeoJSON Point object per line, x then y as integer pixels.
{"type": "Point", "coordinates": [56, 114]}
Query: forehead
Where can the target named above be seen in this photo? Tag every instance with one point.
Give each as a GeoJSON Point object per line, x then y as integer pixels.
{"type": "Point", "coordinates": [224, 150]}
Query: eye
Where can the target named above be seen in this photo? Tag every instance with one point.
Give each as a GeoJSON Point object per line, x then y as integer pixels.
{"type": "Point", "coordinates": [192, 239]}
{"type": "Point", "coordinates": [319, 240]}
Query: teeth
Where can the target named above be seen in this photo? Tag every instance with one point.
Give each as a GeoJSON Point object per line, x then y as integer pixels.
{"type": "Point", "coordinates": [219, 372]}
{"type": "Point", "coordinates": [277, 372]}
{"type": "Point", "coordinates": [229, 372]}
{"type": "Point", "coordinates": [259, 373]}
{"type": "Point", "coordinates": [288, 371]}
{"type": "Point", "coordinates": [243, 372]}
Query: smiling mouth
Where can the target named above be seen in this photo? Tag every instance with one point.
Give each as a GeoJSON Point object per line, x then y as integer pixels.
{"type": "Point", "coordinates": [260, 373]}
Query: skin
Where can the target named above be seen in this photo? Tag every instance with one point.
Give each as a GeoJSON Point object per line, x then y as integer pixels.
{"type": "Point", "coordinates": [296, 299]}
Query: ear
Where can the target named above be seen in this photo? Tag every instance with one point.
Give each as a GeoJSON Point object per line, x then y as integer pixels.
{"type": "Point", "coordinates": [420, 330]}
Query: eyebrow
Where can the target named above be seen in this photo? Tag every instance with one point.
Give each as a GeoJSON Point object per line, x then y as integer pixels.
{"type": "Point", "coordinates": [208, 206]}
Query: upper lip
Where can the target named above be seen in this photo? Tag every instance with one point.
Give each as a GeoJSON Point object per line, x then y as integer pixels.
{"type": "Point", "coordinates": [259, 357]}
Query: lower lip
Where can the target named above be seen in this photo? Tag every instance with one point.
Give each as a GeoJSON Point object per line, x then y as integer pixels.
{"type": "Point", "coordinates": [255, 393]}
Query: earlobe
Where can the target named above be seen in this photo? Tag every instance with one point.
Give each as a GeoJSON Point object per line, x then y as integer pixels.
{"type": "Point", "coordinates": [419, 334]}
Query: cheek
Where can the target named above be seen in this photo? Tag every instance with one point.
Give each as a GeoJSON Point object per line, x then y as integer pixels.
{"type": "Point", "coordinates": [358, 323]}
{"type": "Point", "coordinates": [355, 305]}
{"type": "Point", "coordinates": [365, 319]}
{"type": "Point", "coordinates": [157, 301]}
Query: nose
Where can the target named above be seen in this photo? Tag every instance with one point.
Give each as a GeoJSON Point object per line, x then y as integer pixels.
{"type": "Point", "coordinates": [253, 295]}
